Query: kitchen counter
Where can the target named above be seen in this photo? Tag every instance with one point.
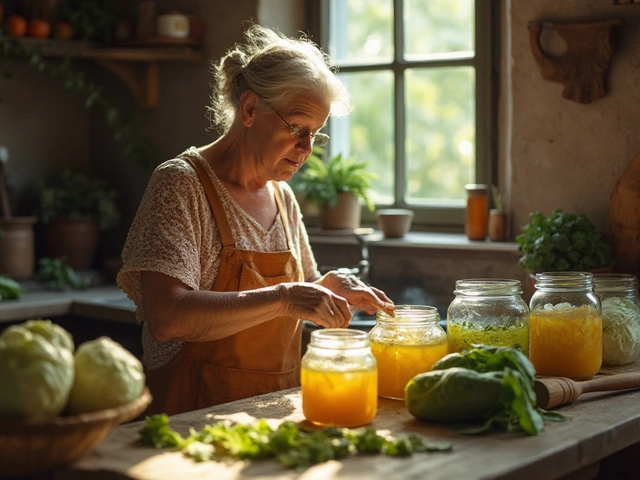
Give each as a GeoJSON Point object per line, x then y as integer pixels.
{"type": "Point", "coordinates": [103, 302]}
{"type": "Point", "coordinates": [601, 424]}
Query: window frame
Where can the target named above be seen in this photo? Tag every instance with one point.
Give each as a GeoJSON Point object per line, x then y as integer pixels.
{"type": "Point", "coordinates": [485, 63]}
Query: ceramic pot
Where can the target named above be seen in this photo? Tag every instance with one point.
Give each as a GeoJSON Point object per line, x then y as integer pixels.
{"type": "Point", "coordinates": [17, 247]}
{"type": "Point", "coordinates": [497, 225]}
{"type": "Point", "coordinates": [345, 215]}
{"type": "Point", "coordinates": [76, 240]}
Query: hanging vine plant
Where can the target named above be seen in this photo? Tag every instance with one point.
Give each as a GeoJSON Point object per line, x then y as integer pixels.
{"type": "Point", "coordinates": [125, 126]}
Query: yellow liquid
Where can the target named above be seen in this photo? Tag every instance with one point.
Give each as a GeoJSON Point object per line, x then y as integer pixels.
{"type": "Point", "coordinates": [397, 364]}
{"type": "Point", "coordinates": [462, 337]}
{"type": "Point", "coordinates": [566, 343]}
{"type": "Point", "coordinates": [344, 399]}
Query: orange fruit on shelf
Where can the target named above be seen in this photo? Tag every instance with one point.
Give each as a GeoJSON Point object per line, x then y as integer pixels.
{"type": "Point", "coordinates": [16, 25]}
{"type": "Point", "coordinates": [63, 30]}
{"type": "Point", "coordinates": [38, 28]}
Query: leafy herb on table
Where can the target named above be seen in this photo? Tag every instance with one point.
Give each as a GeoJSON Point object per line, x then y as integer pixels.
{"type": "Point", "coordinates": [58, 275]}
{"type": "Point", "coordinates": [291, 445]}
{"type": "Point", "coordinates": [9, 288]}
{"type": "Point", "coordinates": [483, 389]}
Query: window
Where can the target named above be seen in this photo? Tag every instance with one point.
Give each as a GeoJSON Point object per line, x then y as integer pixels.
{"type": "Point", "coordinates": [420, 75]}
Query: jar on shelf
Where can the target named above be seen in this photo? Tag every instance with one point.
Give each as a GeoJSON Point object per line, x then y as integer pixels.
{"type": "Point", "coordinates": [339, 378]}
{"type": "Point", "coordinates": [476, 212]}
{"type": "Point", "coordinates": [405, 345]}
{"type": "Point", "coordinates": [565, 325]}
{"type": "Point", "coordinates": [618, 293]}
{"type": "Point", "coordinates": [488, 311]}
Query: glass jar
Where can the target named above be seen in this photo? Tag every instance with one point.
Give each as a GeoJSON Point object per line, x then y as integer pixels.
{"type": "Point", "coordinates": [406, 345]}
{"type": "Point", "coordinates": [476, 212]}
{"type": "Point", "coordinates": [488, 311]}
{"type": "Point", "coordinates": [618, 293]}
{"type": "Point", "coordinates": [565, 325]}
{"type": "Point", "coordinates": [339, 378]}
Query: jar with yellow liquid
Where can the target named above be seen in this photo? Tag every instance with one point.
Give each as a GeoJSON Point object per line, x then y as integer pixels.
{"type": "Point", "coordinates": [339, 378]}
{"type": "Point", "coordinates": [565, 325]}
{"type": "Point", "coordinates": [405, 345]}
{"type": "Point", "coordinates": [488, 311]}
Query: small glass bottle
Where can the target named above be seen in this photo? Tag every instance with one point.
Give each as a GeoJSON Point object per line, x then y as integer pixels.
{"type": "Point", "coordinates": [618, 293]}
{"type": "Point", "coordinates": [565, 325]}
{"type": "Point", "coordinates": [476, 213]}
{"type": "Point", "coordinates": [339, 378]}
{"type": "Point", "coordinates": [405, 345]}
{"type": "Point", "coordinates": [488, 311]}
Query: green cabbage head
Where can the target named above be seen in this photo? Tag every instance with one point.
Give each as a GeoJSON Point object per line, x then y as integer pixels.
{"type": "Point", "coordinates": [35, 376]}
{"type": "Point", "coordinates": [106, 375]}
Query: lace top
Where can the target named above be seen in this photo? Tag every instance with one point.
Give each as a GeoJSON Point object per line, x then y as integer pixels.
{"type": "Point", "coordinates": [174, 233]}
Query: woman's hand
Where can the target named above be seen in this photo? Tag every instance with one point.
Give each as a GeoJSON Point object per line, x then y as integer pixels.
{"type": "Point", "coordinates": [313, 302]}
{"type": "Point", "coordinates": [357, 293]}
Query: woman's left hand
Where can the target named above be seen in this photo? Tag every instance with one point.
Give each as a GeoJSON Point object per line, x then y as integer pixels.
{"type": "Point", "coordinates": [357, 293]}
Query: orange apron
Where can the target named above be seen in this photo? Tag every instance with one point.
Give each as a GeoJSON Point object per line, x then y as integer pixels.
{"type": "Point", "coordinates": [261, 359]}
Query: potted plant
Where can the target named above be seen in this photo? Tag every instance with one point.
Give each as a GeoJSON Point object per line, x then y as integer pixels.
{"type": "Point", "coordinates": [17, 240]}
{"type": "Point", "coordinates": [336, 187]}
{"type": "Point", "coordinates": [74, 209]}
{"type": "Point", "coordinates": [562, 242]}
{"type": "Point", "coordinates": [497, 217]}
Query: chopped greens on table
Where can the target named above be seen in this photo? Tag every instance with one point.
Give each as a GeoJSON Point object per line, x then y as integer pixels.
{"type": "Point", "coordinates": [289, 444]}
{"type": "Point", "coordinates": [484, 389]}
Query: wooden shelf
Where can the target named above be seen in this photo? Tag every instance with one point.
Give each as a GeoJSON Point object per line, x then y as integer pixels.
{"type": "Point", "coordinates": [136, 65]}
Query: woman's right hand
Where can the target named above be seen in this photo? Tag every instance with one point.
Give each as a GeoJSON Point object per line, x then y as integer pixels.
{"type": "Point", "coordinates": [318, 304]}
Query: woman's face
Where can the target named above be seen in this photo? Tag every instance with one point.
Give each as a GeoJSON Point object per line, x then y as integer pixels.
{"type": "Point", "coordinates": [284, 154]}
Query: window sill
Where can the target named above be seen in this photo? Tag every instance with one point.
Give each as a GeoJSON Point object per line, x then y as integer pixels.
{"type": "Point", "coordinates": [427, 240]}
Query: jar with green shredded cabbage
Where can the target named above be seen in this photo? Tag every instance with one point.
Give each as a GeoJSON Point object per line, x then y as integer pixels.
{"type": "Point", "coordinates": [618, 294]}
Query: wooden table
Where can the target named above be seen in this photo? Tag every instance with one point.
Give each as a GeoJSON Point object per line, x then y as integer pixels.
{"type": "Point", "coordinates": [601, 424]}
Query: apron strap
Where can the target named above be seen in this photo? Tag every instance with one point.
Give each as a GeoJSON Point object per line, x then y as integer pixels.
{"type": "Point", "coordinates": [283, 216]}
{"type": "Point", "coordinates": [214, 201]}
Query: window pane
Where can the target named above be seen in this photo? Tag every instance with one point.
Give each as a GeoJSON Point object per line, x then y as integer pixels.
{"type": "Point", "coordinates": [367, 134]}
{"type": "Point", "coordinates": [361, 31]}
{"type": "Point", "coordinates": [438, 26]}
{"type": "Point", "coordinates": [440, 133]}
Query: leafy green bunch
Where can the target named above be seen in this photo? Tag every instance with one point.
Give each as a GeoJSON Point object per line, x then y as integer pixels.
{"type": "Point", "coordinates": [289, 444]}
{"type": "Point", "coordinates": [483, 389]}
{"type": "Point", "coordinates": [76, 195]}
{"type": "Point", "coordinates": [562, 242]}
{"type": "Point", "coordinates": [322, 181]}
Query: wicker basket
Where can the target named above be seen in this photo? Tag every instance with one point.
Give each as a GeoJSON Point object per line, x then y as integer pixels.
{"type": "Point", "coordinates": [30, 447]}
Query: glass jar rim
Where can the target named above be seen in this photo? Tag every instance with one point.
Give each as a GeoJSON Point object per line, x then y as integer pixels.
{"type": "Point", "coordinates": [410, 314]}
{"type": "Point", "coordinates": [604, 282]}
{"type": "Point", "coordinates": [487, 287]}
{"type": "Point", "coordinates": [339, 338]}
{"type": "Point", "coordinates": [564, 280]}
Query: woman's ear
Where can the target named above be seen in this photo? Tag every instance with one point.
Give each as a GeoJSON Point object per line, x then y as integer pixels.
{"type": "Point", "coordinates": [248, 107]}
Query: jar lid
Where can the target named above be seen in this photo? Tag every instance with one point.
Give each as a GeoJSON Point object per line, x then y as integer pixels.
{"type": "Point", "coordinates": [336, 338]}
{"type": "Point", "coordinates": [476, 187]}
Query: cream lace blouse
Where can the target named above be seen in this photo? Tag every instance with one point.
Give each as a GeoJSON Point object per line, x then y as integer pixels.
{"type": "Point", "coordinates": [174, 232]}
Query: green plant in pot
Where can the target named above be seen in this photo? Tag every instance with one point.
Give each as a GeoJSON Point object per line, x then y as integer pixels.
{"type": "Point", "coordinates": [74, 208]}
{"type": "Point", "coordinates": [562, 242]}
{"type": "Point", "coordinates": [336, 187]}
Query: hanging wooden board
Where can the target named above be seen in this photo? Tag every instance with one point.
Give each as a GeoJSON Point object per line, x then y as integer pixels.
{"type": "Point", "coordinates": [623, 225]}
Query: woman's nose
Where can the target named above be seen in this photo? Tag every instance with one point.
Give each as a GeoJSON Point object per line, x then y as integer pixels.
{"type": "Point", "coordinates": [305, 145]}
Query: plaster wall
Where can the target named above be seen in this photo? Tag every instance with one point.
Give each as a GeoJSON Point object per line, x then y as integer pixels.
{"type": "Point", "coordinates": [553, 152]}
{"type": "Point", "coordinates": [558, 153]}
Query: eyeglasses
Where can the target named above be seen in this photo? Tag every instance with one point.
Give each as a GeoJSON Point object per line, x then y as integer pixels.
{"type": "Point", "coordinates": [300, 132]}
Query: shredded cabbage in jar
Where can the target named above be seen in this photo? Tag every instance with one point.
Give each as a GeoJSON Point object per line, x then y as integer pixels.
{"type": "Point", "coordinates": [620, 331]}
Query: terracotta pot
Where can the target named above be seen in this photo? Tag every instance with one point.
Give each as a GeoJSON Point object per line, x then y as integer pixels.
{"type": "Point", "coordinates": [345, 215]}
{"type": "Point", "coordinates": [497, 225]}
{"type": "Point", "coordinates": [17, 247]}
{"type": "Point", "coordinates": [76, 240]}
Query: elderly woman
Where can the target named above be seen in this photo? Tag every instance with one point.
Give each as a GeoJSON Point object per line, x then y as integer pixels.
{"type": "Point", "coordinates": [217, 259]}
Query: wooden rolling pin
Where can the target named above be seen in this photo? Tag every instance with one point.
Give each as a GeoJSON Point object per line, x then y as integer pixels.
{"type": "Point", "coordinates": [555, 391]}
